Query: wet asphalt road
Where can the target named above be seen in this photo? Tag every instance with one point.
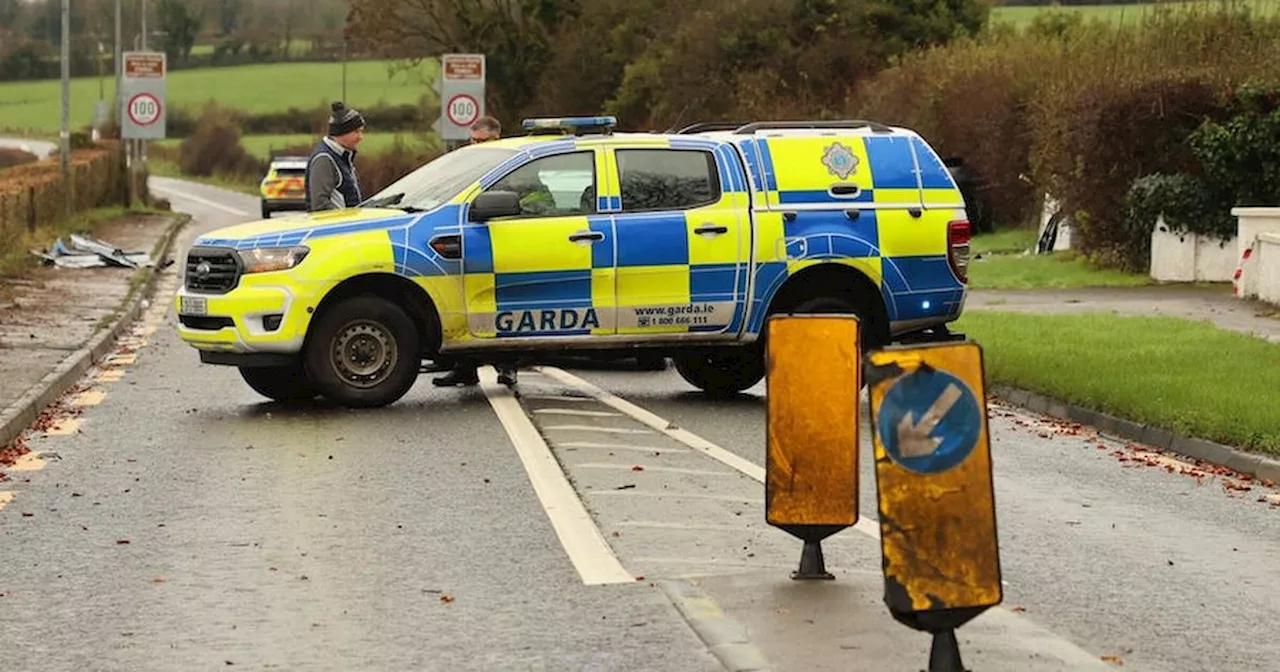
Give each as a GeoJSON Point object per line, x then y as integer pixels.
{"type": "Point", "coordinates": [410, 538]}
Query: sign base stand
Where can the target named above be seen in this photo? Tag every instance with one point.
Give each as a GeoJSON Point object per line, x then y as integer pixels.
{"type": "Point", "coordinates": [812, 565]}
{"type": "Point", "coordinates": [944, 654]}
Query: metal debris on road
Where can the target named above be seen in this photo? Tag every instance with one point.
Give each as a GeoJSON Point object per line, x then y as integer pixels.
{"type": "Point", "coordinates": [85, 252]}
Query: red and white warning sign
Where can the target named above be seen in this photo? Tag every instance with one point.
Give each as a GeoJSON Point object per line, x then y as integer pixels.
{"type": "Point", "coordinates": [144, 109]}
{"type": "Point", "coordinates": [462, 89]}
{"type": "Point", "coordinates": [463, 110]}
{"type": "Point", "coordinates": [143, 95]}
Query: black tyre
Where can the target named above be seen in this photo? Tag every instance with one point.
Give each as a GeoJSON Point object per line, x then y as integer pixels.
{"type": "Point", "coordinates": [363, 352]}
{"type": "Point", "coordinates": [266, 212]}
{"type": "Point", "coordinates": [280, 383]}
{"type": "Point", "coordinates": [652, 362]}
{"type": "Point", "coordinates": [722, 372]}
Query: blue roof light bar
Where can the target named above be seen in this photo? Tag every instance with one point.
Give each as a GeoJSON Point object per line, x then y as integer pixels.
{"type": "Point", "coordinates": [575, 125]}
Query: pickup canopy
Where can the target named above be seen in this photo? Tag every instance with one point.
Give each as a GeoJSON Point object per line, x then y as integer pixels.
{"type": "Point", "coordinates": [864, 164]}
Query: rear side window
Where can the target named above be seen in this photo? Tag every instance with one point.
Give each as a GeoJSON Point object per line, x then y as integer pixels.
{"type": "Point", "coordinates": [667, 179]}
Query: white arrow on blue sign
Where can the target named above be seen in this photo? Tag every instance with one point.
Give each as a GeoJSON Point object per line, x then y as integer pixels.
{"type": "Point", "coordinates": [929, 421]}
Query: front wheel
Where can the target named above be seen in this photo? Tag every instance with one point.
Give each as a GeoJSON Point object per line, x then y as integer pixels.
{"type": "Point", "coordinates": [363, 352]}
{"type": "Point", "coordinates": [266, 211]}
{"type": "Point", "coordinates": [280, 383]}
{"type": "Point", "coordinates": [722, 373]}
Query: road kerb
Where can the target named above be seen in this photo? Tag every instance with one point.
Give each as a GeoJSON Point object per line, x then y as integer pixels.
{"type": "Point", "coordinates": [15, 419]}
{"type": "Point", "coordinates": [724, 637]}
{"type": "Point", "coordinates": [1251, 464]}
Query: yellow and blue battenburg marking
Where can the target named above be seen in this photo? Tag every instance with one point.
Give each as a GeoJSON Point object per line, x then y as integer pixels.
{"type": "Point", "coordinates": [878, 202]}
{"type": "Point", "coordinates": [898, 199]}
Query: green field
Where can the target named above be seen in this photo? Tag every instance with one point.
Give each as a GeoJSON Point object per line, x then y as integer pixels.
{"type": "Point", "coordinates": [1147, 369]}
{"type": "Point", "coordinates": [1127, 14]}
{"type": "Point", "coordinates": [36, 106]}
{"type": "Point", "coordinates": [374, 142]}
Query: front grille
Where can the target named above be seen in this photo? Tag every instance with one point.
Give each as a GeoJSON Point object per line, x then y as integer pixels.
{"type": "Point", "coordinates": [212, 271]}
{"type": "Point", "coordinates": [205, 323]}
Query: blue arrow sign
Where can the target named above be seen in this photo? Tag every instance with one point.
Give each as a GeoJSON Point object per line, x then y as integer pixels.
{"type": "Point", "coordinates": [929, 421]}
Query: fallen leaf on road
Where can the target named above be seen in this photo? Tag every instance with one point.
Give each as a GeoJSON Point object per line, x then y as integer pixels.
{"type": "Point", "coordinates": [637, 468]}
{"type": "Point", "coordinates": [640, 578]}
{"type": "Point", "coordinates": [158, 579]}
{"type": "Point", "coordinates": [1115, 660]}
{"type": "Point", "coordinates": [625, 487]}
{"type": "Point", "coordinates": [1019, 609]}
{"type": "Point", "coordinates": [446, 599]}
{"type": "Point", "coordinates": [27, 515]}
{"type": "Point", "coordinates": [121, 542]}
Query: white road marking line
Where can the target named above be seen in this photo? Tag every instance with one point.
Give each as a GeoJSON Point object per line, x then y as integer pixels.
{"type": "Point", "coordinates": [581, 539]}
{"type": "Point", "coordinates": [865, 525]}
{"type": "Point", "coordinates": [554, 397]}
{"type": "Point", "coordinates": [602, 430]}
{"type": "Point", "coordinates": [619, 446]}
{"type": "Point", "coordinates": [576, 412]}
{"type": "Point", "coordinates": [755, 471]}
{"type": "Point", "coordinates": [665, 470]}
{"type": "Point", "coordinates": [676, 495]}
{"type": "Point", "coordinates": [197, 199]}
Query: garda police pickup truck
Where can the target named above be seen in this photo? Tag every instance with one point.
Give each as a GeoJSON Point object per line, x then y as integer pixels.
{"type": "Point", "coordinates": [577, 239]}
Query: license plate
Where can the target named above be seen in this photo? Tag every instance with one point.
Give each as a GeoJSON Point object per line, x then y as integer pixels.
{"type": "Point", "coordinates": [194, 305]}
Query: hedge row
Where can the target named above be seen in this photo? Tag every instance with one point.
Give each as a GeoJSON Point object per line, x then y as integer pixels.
{"type": "Point", "coordinates": [1080, 111]}
{"type": "Point", "coordinates": [182, 122]}
{"type": "Point", "coordinates": [31, 195]}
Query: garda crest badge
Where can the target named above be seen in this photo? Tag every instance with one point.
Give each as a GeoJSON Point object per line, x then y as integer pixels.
{"type": "Point", "coordinates": [840, 161]}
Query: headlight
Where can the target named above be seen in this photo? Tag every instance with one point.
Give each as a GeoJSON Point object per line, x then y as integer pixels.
{"type": "Point", "coordinates": [265, 259]}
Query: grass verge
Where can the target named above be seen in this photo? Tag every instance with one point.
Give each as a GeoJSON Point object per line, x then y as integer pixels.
{"type": "Point", "coordinates": [1007, 241]}
{"type": "Point", "coordinates": [1187, 377]}
{"type": "Point", "coordinates": [17, 261]}
{"type": "Point", "coordinates": [1060, 270]}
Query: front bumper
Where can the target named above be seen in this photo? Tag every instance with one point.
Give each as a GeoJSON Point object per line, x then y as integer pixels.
{"type": "Point", "coordinates": [281, 204]}
{"type": "Point", "coordinates": [255, 317]}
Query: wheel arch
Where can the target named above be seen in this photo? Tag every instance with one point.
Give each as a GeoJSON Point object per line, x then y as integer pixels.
{"type": "Point", "coordinates": [395, 288]}
{"type": "Point", "coordinates": [833, 279]}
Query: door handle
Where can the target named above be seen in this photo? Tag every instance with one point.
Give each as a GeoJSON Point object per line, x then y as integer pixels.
{"type": "Point", "coordinates": [579, 236]}
{"type": "Point", "coordinates": [712, 228]}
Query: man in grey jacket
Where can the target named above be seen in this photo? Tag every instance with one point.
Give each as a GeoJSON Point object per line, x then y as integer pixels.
{"type": "Point", "coordinates": [331, 179]}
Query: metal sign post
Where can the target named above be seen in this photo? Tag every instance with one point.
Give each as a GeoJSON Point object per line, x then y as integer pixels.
{"type": "Point", "coordinates": [940, 555]}
{"type": "Point", "coordinates": [462, 83]}
{"type": "Point", "coordinates": [814, 370]}
{"type": "Point", "coordinates": [143, 106]}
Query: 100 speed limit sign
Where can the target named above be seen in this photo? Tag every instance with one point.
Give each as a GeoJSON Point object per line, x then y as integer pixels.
{"type": "Point", "coordinates": [144, 109]}
{"type": "Point", "coordinates": [463, 110]}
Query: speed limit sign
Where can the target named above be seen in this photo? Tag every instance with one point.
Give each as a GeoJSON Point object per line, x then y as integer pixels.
{"type": "Point", "coordinates": [144, 109]}
{"type": "Point", "coordinates": [463, 110]}
{"type": "Point", "coordinates": [143, 105]}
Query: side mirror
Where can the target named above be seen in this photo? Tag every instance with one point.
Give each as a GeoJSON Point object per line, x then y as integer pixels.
{"type": "Point", "coordinates": [493, 204]}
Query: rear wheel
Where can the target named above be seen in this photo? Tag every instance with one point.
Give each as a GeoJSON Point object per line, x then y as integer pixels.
{"type": "Point", "coordinates": [266, 211]}
{"type": "Point", "coordinates": [280, 383]}
{"type": "Point", "coordinates": [363, 352]}
{"type": "Point", "coordinates": [722, 372]}
{"type": "Point", "coordinates": [867, 331]}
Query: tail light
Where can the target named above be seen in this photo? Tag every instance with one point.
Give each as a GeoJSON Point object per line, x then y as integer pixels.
{"type": "Point", "coordinates": [958, 236]}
